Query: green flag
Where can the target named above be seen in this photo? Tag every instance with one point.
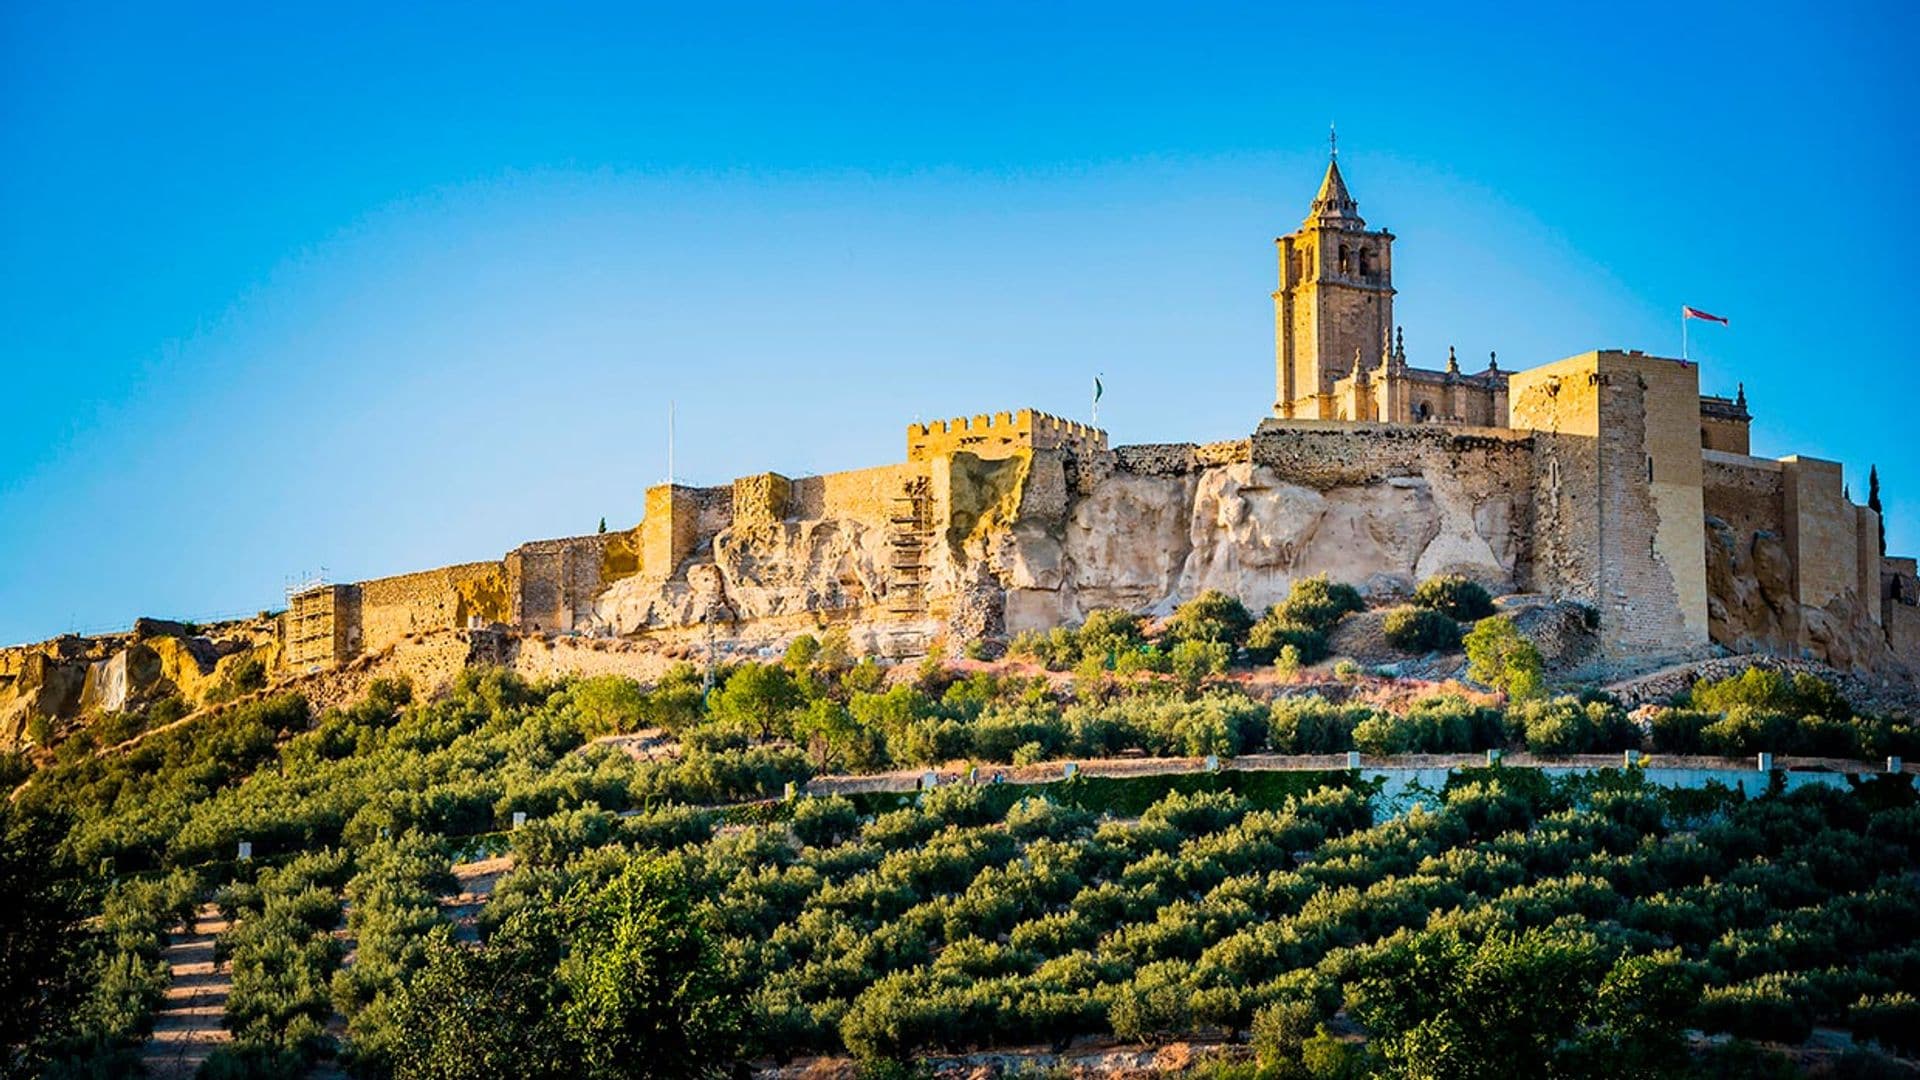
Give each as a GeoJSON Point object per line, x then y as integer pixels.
{"type": "Point", "coordinates": [1097, 388]}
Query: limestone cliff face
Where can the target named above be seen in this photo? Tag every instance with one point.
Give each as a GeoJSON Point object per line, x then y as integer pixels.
{"type": "Point", "coordinates": [71, 677]}
{"type": "Point", "coordinates": [1751, 606]}
{"type": "Point", "coordinates": [757, 572]}
{"type": "Point", "coordinates": [1148, 542]}
{"type": "Point", "coordinates": [1031, 542]}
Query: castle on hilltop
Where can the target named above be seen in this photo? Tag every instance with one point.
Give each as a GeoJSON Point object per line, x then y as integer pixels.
{"type": "Point", "coordinates": [1605, 478]}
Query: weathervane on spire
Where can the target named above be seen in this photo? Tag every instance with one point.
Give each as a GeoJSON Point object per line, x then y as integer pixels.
{"type": "Point", "coordinates": [1333, 142]}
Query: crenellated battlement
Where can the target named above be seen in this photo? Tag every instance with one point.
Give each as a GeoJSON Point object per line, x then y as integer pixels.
{"type": "Point", "coordinates": [1001, 435]}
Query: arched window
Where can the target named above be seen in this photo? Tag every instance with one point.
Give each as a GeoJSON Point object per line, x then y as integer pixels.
{"type": "Point", "coordinates": [1366, 264]}
{"type": "Point", "coordinates": [1343, 258]}
{"type": "Point", "coordinates": [1421, 413]}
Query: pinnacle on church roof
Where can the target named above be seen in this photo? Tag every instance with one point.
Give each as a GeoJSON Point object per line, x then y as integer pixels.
{"type": "Point", "coordinates": [1333, 203]}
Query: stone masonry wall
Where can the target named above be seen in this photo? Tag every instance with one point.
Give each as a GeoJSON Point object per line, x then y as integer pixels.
{"type": "Point", "coordinates": [761, 499]}
{"type": "Point", "coordinates": [391, 608]}
{"type": "Point", "coordinates": [859, 494]}
{"type": "Point", "coordinates": [1001, 435]}
{"type": "Point", "coordinates": [1618, 518]}
{"type": "Point", "coordinates": [553, 582]}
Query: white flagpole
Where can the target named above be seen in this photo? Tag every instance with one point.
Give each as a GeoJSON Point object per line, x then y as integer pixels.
{"type": "Point", "coordinates": [1683, 333]}
{"type": "Point", "coordinates": [1096, 401]}
{"type": "Point", "coordinates": [669, 442]}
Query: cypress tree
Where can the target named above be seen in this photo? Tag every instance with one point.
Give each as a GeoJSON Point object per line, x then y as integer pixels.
{"type": "Point", "coordinates": [1873, 504]}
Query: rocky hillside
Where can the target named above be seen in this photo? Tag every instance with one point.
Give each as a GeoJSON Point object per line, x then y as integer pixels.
{"type": "Point", "coordinates": [53, 683]}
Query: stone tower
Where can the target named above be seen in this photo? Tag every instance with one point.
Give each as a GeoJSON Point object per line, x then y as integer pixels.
{"type": "Point", "coordinates": [1335, 301]}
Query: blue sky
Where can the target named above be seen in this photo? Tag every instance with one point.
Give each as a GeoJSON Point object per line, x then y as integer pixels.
{"type": "Point", "coordinates": [383, 287]}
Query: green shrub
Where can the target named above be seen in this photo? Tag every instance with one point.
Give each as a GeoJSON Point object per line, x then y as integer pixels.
{"type": "Point", "coordinates": [1090, 675]}
{"type": "Point", "coordinates": [1276, 632]}
{"type": "Point", "coordinates": [1108, 632]}
{"type": "Point", "coordinates": [1764, 690]}
{"type": "Point", "coordinates": [1312, 725]}
{"type": "Point", "coordinates": [1441, 724]}
{"type": "Point", "coordinates": [825, 822]}
{"type": "Point", "coordinates": [1489, 808]}
{"type": "Point", "coordinates": [1421, 630]}
{"type": "Point", "coordinates": [1318, 603]}
{"type": "Point", "coordinates": [244, 677]}
{"type": "Point", "coordinates": [1458, 598]}
{"type": "Point", "coordinates": [1767, 1007]}
{"type": "Point", "coordinates": [1499, 656]}
{"type": "Point", "coordinates": [1141, 658]}
{"type": "Point", "coordinates": [1892, 1020]}
{"type": "Point", "coordinates": [1193, 661]}
{"type": "Point", "coordinates": [1677, 731]}
{"type": "Point", "coordinates": [1287, 664]}
{"type": "Point", "coordinates": [1212, 617]}
{"type": "Point", "coordinates": [1555, 727]}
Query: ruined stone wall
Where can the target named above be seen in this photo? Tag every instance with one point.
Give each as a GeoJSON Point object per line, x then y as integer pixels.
{"type": "Point", "coordinates": [1618, 513]}
{"type": "Point", "coordinates": [1794, 569]}
{"type": "Point", "coordinates": [553, 582]}
{"type": "Point", "coordinates": [391, 608]}
{"type": "Point", "coordinates": [1751, 605]}
{"type": "Point", "coordinates": [863, 495]}
{"type": "Point", "coordinates": [1666, 394]}
{"type": "Point", "coordinates": [761, 499]}
{"type": "Point", "coordinates": [318, 628]}
{"type": "Point", "coordinates": [1743, 491]}
{"type": "Point", "coordinates": [1821, 530]}
{"type": "Point", "coordinates": [1903, 632]}
{"type": "Point", "coordinates": [825, 554]}
{"type": "Point", "coordinates": [671, 528]}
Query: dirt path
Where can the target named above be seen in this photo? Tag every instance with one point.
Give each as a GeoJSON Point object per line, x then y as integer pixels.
{"type": "Point", "coordinates": [187, 1030]}
{"type": "Point", "coordinates": [475, 882]}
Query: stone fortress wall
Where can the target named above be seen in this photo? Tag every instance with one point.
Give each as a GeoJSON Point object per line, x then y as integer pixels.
{"type": "Point", "coordinates": [1001, 435]}
{"type": "Point", "coordinates": [1606, 478]}
{"type": "Point", "coordinates": [1598, 490]}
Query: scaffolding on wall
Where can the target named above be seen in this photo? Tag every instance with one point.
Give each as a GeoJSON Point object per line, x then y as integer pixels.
{"type": "Point", "coordinates": [313, 624]}
{"type": "Point", "coordinates": [910, 538]}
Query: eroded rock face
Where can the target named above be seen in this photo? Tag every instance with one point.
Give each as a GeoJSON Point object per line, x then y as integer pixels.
{"type": "Point", "coordinates": [1751, 607]}
{"type": "Point", "coordinates": [1149, 542]}
{"type": "Point", "coordinates": [1749, 589]}
{"type": "Point", "coordinates": [757, 572]}
{"type": "Point", "coordinates": [1126, 542]}
{"type": "Point", "coordinates": [1143, 542]}
{"type": "Point", "coordinates": [69, 678]}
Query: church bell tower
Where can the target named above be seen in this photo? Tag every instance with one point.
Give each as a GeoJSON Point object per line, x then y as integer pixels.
{"type": "Point", "coordinates": [1334, 303]}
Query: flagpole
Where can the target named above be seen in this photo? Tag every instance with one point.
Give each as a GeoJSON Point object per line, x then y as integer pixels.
{"type": "Point", "coordinates": [1683, 334]}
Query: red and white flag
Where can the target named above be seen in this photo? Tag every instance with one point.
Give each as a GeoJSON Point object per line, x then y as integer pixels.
{"type": "Point", "coordinates": [1695, 313]}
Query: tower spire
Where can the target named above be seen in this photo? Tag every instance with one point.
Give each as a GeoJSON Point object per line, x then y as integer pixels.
{"type": "Point", "coordinates": [1333, 204]}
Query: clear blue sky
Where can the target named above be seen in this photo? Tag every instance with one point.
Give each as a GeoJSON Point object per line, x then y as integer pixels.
{"type": "Point", "coordinates": [384, 287]}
